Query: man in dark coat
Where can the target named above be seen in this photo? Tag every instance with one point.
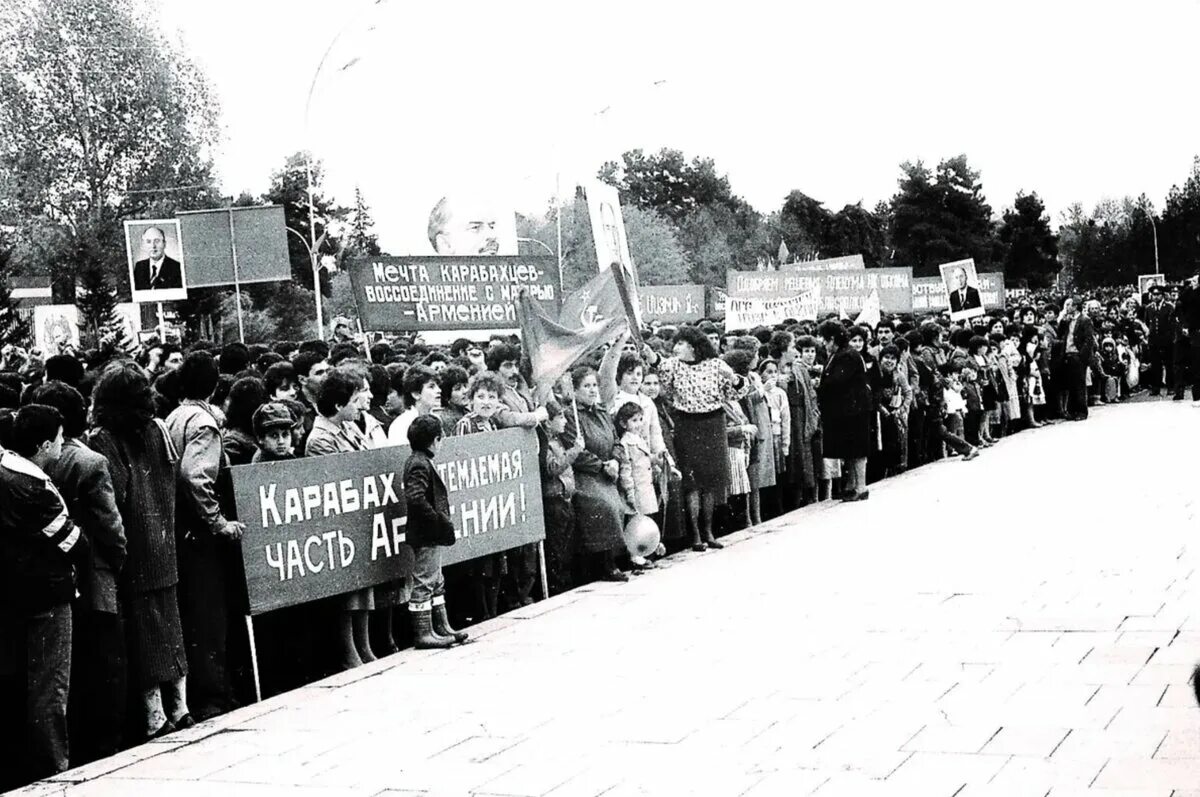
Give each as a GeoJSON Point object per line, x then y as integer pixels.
{"type": "Point", "coordinates": [963, 296]}
{"type": "Point", "coordinates": [1081, 351]}
{"type": "Point", "coordinates": [97, 704]}
{"type": "Point", "coordinates": [1187, 313]}
{"type": "Point", "coordinates": [40, 547]}
{"type": "Point", "coordinates": [1159, 316]}
{"type": "Point", "coordinates": [158, 272]}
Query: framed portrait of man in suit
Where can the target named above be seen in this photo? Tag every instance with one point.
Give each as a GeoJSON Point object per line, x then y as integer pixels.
{"type": "Point", "coordinates": [962, 288]}
{"type": "Point", "coordinates": [156, 269]}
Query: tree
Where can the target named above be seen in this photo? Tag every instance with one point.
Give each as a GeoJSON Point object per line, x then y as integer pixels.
{"type": "Point", "coordinates": [941, 216]}
{"type": "Point", "coordinates": [1110, 246]}
{"type": "Point", "coordinates": [707, 248]}
{"type": "Point", "coordinates": [1031, 259]}
{"type": "Point", "coordinates": [718, 230]}
{"type": "Point", "coordinates": [1179, 234]}
{"type": "Point", "coordinates": [13, 327]}
{"type": "Point", "coordinates": [802, 225]}
{"type": "Point", "coordinates": [97, 304]}
{"type": "Point", "coordinates": [289, 187]}
{"type": "Point", "coordinates": [361, 240]}
{"type": "Point", "coordinates": [655, 248]}
{"type": "Point", "coordinates": [100, 120]}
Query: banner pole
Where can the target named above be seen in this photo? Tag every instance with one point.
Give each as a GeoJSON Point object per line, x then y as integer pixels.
{"type": "Point", "coordinates": [254, 659]}
{"type": "Point", "coordinates": [542, 569]}
{"type": "Point", "coordinates": [237, 288]}
{"type": "Point", "coordinates": [575, 407]}
{"type": "Point", "coordinates": [162, 325]}
{"type": "Point", "coordinates": [365, 344]}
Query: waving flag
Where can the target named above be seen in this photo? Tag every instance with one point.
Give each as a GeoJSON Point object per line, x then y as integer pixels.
{"type": "Point", "coordinates": [590, 317]}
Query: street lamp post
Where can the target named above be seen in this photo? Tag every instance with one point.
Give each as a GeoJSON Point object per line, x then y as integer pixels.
{"type": "Point", "coordinates": [316, 272]}
{"type": "Point", "coordinates": [312, 242]}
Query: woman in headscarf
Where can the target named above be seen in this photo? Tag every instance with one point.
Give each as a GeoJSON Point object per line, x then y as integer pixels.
{"type": "Point", "coordinates": [599, 510]}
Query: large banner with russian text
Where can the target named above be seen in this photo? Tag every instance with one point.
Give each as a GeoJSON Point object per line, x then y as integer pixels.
{"type": "Point", "coordinates": [325, 526]}
{"type": "Point", "coordinates": [837, 291]}
{"type": "Point", "coordinates": [406, 294]}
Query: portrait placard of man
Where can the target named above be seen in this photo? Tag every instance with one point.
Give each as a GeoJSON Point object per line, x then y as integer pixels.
{"type": "Point", "coordinates": [962, 287]}
{"type": "Point", "coordinates": [460, 225]}
{"type": "Point", "coordinates": [156, 270]}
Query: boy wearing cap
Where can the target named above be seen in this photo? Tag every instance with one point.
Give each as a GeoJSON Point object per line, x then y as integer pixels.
{"type": "Point", "coordinates": [273, 423]}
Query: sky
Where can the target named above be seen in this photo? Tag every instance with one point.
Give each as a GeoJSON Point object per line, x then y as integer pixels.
{"type": "Point", "coordinates": [1077, 101]}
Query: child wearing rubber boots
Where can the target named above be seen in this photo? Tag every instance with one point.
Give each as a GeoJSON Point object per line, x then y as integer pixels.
{"type": "Point", "coordinates": [428, 530]}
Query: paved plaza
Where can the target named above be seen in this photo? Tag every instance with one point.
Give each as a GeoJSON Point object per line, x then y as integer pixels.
{"type": "Point", "coordinates": [1020, 625]}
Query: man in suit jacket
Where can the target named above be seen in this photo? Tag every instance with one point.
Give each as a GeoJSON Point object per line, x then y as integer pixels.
{"type": "Point", "coordinates": [963, 297]}
{"type": "Point", "coordinates": [156, 272]}
{"type": "Point", "coordinates": [1081, 351]}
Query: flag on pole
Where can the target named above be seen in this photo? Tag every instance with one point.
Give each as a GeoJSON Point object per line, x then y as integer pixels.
{"type": "Point", "coordinates": [783, 253]}
{"type": "Point", "coordinates": [590, 317]}
{"type": "Point", "coordinates": [871, 312]}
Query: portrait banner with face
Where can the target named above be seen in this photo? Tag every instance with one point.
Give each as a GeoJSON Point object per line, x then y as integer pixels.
{"type": "Point", "coordinates": [1146, 280]}
{"type": "Point", "coordinates": [612, 246]}
{"type": "Point", "coordinates": [324, 526]}
{"type": "Point", "coordinates": [962, 288]}
{"type": "Point", "coordinates": [56, 328]}
{"type": "Point", "coordinates": [930, 295]}
{"type": "Point", "coordinates": [406, 294]}
{"type": "Point", "coordinates": [464, 225]}
{"type": "Point", "coordinates": [156, 268]}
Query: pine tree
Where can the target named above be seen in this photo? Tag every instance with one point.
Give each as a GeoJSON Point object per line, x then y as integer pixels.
{"type": "Point", "coordinates": [361, 240]}
{"type": "Point", "coordinates": [13, 328]}
{"type": "Point", "coordinates": [102, 326]}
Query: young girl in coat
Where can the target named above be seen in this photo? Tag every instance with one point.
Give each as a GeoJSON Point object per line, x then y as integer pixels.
{"type": "Point", "coordinates": [638, 470]}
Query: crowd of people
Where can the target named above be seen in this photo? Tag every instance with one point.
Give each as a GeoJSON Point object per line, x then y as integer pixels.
{"type": "Point", "coordinates": [122, 595]}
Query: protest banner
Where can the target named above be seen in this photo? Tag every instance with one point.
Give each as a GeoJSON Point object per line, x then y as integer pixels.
{"type": "Point", "coordinates": [55, 328]}
{"type": "Point", "coordinates": [1146, 280]}
{"type": "Point", "coordinates": [157, 272]}
{"type": "Point", "coordinates": [747, 313]}
{"type": "Point", "coordinates": [31, 291]}
{"type": "Point", "coordinates": [962, 287]}
{"type": "Point", "coordinates": [929, 293]}
{"type": "Point", "coordinates": [405, 294]}
{"type": "Point", "coordinates": [671, 304]}
{"type": "Point", "coordinates": [325, 526]}
{"type": "Point", "coordinates": [238, 245]}
{"type": "Point", "coordinates": [847, 263]}
{"type": "Point", "coordinates": [840, 291]}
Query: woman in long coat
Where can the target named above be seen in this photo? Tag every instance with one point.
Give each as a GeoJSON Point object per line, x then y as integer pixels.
{"type": "Point", "coordinates": [846, 409]}
{"type": "Point", "coordinates": [143, 464]}
{"type": "Point", "coordinates": [599, 510]}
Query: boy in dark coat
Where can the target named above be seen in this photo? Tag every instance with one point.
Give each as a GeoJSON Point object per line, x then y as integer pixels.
{"type": "Point", "coordinates": [429, 528]}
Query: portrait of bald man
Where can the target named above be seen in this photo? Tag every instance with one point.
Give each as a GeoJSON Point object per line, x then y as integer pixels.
{"type": "Point", "coordinates": [157, 271]}
{"type": "Point", "coordinates": [963, 296]}
{"type": "Point", "coordinates": [464, 226]}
